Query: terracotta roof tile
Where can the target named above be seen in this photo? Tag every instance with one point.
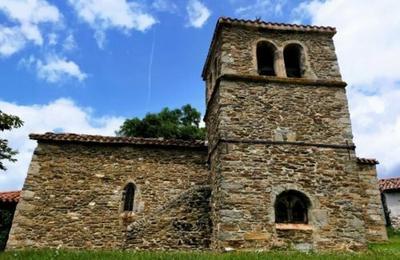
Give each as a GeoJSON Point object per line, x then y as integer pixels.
{"type": "Point", "coordinates": [367, 161]}
{"type": "Point", "coordinates": [389, 184]}
{"type": "Point", "coordinates": [277, 26]}
{"type": "Point", "coordinates": [10, 196]}
{"type": "Point", "coordinates": [82, 138]}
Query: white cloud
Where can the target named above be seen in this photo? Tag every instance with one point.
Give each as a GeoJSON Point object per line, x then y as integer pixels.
{"type": "Point", "coordinates": [30, 11]}
{"type": "Point", "coordinates": [376, 124]}
{"type": "Point", "coordinates": [11, 40]}
{"type": "Point", "coordinates": [197, 13]}
{"type": "Point", "coordinates": [260, 8]}
{"type": "Point", "coordinates": [61, 114]}
{"type": "Point", "coordinates": [368, 48]}
{"type": "Point", "coordinates": [52, 39]}
{"type": "Point", "coordinates": [26, 15]}
{"type": "Point", "coordinates": [69, 42]}
{"type": "Point", "coordinates": [55, 69]}
{"type": "Point", "coordinates": [164, 6]}
{"type": "Point", "coordinates": [367, 33]}
{"type": "Point", "coordinates": [102, 15]}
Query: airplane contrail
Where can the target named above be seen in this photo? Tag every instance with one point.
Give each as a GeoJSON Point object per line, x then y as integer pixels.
{"type": "Point", "coordinates": [149, 71]}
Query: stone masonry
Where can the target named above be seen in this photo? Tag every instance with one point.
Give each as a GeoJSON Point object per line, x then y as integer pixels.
{"type": "Point", "coordinates": [267, 135]}
{"type": "Point", "coordinates": [72, 195]}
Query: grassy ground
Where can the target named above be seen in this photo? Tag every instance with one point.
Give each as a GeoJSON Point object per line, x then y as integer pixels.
{"type": "Point", "coordinates": [393, 245]}
{"type": "Point", "coordinates": [388, 250]}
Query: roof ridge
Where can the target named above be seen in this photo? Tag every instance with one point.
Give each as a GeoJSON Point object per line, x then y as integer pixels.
{"type": "Point", "coordinates": [391, 178]}
{"type": "Point", "coordinates": [10, 196]}
{"type": "Point", "coordinates": [367, 160]}
{"type": "Point", "coordinates": [86, 138]}
{"type": "Point", "coordinates": [280, 24]}
{"type": "Point", "coordinates": [389, 184]}
{"type": "Point", "coordinates": [110, 136]}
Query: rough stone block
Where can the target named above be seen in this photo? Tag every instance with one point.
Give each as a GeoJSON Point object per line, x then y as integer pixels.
{"type": "Point", "coordinates": [257, 235]}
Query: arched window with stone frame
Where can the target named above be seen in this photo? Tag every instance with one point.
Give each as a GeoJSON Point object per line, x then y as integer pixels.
{"type": "Point", "coordinates": [128, 197]}
{"type": "Point", "coordinates": [293, 58]}
{"type": "Point", "coordinates": [291, 207]}
{"type": "Point", "coordinates": [266, 58]}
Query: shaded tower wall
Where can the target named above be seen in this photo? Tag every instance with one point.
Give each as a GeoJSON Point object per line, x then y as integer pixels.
{"type": "Point", "coordinates": [372, 207]}
{"type": "Point", "coordinates": [269, 134]}
{"type": "Point", "coordinates": [7, 209]}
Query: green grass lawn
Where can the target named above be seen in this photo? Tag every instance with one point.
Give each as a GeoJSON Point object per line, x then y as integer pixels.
{"type": "Point", "coordinates": [393, 245]}
{"type": "Point", "coordinates": [387, 250]}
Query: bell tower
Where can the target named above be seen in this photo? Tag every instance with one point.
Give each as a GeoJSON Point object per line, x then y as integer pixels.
{"type": "Point", "coordinates": [283, 165]}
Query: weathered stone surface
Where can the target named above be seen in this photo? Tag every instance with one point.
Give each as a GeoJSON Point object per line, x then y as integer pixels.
{"type": "Point", "coordinates": [323, 179]}
{"type": "Point", "coordinates": [235, 53]}
{"type": "Point", "coordinates": [256, 235]}
{"type": "Point", "coordinates": [75, 200]}
{"type": "Point", "coordinates": [280, 112]}
{"type": "Point", "coordinates": [372, 205]}
{"type": "Point", "coordinates": [182, 224]}
{"type": "Point", "coordinates": [273, 135]}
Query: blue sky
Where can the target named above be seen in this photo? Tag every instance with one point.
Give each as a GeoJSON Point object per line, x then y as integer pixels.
{"type": "Point", "coordinates": [85, 65]}
{"type": "Point", "coordinates": [114, 75]}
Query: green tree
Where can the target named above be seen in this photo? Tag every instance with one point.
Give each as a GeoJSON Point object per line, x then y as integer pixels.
{"type": "Point", "coordinates": [7, 122]}
{"type": "Point", "coordinates": [181, 123]}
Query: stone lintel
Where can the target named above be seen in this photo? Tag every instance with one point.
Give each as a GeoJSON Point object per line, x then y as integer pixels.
{"type": "Point", "coordinates": [257, 235]}
{"type": "Point", "coordinates": [287, 226]}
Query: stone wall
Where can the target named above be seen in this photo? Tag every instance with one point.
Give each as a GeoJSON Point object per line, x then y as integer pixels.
{"type": "Point", "coordinates": [267, 136]}
{"type": "Point", "coordinates": [239, 45]}
{"type": "Point", "coordinates": [235, 53]}
{"type": "Point", "coordinates": [372, 206]}
{"type": "Point", "coordinates": [282, 112]}
{"type": "Point", "coordinates": [182, 224]}
{"type": "Point", "coordinates": [252, 175]}
{"type": "Point", "coordinates": [72, 195]}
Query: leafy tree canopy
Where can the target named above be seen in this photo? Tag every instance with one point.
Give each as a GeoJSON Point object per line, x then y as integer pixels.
{"type": "Point", "coordinates": [7, 122]}
{"type": "Point", "coordinates": [170, 124]}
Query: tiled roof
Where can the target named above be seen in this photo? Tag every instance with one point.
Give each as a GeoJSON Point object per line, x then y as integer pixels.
{"type": "Point", "coordinates": [367, 161]}
{"type": "Point", "coordinates": [9, 196]}
{"type": "Point", "coordinates": [277, 26]}
{"type": "Point", "coordinates": [81, 138]}
{"type": "Point", "coordinates": [389, 184]}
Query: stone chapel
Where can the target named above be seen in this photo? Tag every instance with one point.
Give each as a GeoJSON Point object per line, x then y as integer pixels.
{"type": "Point", "coordinates": [278, 169]}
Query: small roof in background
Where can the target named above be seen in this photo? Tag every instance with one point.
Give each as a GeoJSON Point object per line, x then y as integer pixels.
{"type": "Point", "coordinates": [369, 161]}
{"type": "Point", "coordinates": [10, 196]}
{"type": "Point", "coordinates": [389, 184]}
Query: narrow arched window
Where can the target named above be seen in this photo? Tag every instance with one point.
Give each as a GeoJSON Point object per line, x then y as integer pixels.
{"type": "Point", "coordinates": [291, 207]}
{"type": "Point", "coordinates": [265, 58]}
{"type": "Point", "coordinates": [129, 196]}
{"type": "Point", "coordinates": [292, 57]}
